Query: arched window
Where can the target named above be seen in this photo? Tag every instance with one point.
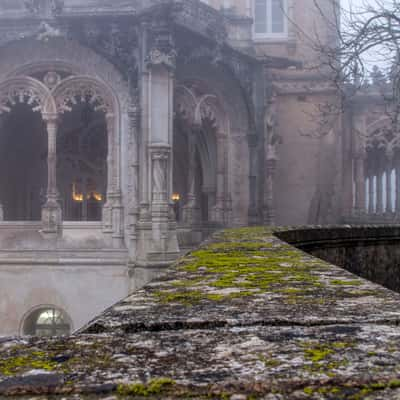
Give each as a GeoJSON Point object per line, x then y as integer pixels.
{"type": "Point", "coordinates": [270, 18]}
{"type": "Point", "coordinates": [47, 321]}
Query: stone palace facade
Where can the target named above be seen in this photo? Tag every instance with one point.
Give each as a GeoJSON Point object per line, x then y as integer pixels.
{"type": "Point", "coordinates": [131, 129]}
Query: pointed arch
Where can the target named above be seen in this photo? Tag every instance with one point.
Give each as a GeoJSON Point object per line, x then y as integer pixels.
{"type": "Point", "coordinates": [23, 89]}
{"type": "Point", "coordinates": [76, 89]}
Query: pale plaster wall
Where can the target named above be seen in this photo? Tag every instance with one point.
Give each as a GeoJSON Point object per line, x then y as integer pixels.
{"type": "Point", "coordinates": [81, 291]}
{"type": "Point", "coordinates": [306, 161]}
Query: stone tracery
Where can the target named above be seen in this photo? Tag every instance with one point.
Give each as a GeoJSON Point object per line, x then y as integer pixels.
{"type": "Point", "coordinates": [25, 90]}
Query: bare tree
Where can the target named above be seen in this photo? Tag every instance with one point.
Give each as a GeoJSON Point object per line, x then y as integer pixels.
{"type": "Point", "coordinates": [366, 48]}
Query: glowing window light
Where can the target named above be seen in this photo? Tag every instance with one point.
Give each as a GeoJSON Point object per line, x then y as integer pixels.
{"type": "Point", "coordinates": [176, 197]}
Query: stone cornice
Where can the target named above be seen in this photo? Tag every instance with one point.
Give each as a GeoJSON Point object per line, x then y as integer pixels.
{"type": "Point", "coordinates": [302, 87]}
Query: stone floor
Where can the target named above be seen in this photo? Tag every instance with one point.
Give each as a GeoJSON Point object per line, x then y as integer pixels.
{"type": "Point", "coordinates": [246, 316]}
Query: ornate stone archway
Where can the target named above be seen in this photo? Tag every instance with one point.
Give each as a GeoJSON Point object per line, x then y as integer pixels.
{"type": "Point", "coordinates": [207, 133]}
{"type": "Point", "coordinates": [52, 98]}
{"type": "Point", "coordinates": [76, 89]}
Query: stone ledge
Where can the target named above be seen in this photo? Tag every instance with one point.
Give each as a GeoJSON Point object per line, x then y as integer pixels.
{"type": "Point", "coordinates": [246, 316]}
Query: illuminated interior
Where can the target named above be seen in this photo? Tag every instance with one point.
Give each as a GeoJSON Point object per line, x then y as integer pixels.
{"type": "Point", "coordinates": [82, 167]}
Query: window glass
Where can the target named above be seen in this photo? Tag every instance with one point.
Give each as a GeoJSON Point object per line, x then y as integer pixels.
{"type": "Point", "coordinates": [260, 16]}
{"type": "Point", "coordinates": [47, 321]}
{"type": "Point", "coordinates": [269, 17]}
{"type": "Point", "coordinates": [277, 23]}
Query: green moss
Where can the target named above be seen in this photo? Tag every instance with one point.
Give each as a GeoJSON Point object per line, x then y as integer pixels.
{"type": "Point", "coordinates": [249, 233]}
{"type": "Point", "coordinates": [269, 362]}
{"type": "Point", "coordinates": [324, 357]}
{"type": "Point", "coordinates": [350, 392]}
{"type": "Point", "coordinates": [317, 354]}
{"type": "Point", "coordinates": [378, 386]}
{"type": "Point", "coordinates": [346, 283]}
{"type": "Point", "coordinates": [22, 363]}
{"type": "Point", "coordinates": [308, 390]}
{"type": "Point", "coordinates": [361, 394]}
{"type": "Point", "coordinates": [395, 383]}
{"type": "Point", "coordinates": [248, 259]}
{"type": "Point", "coordinates": [151, 388]}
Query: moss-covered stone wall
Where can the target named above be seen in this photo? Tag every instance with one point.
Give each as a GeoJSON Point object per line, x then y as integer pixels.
{"type": "Point", "coordinates": [372, 252]}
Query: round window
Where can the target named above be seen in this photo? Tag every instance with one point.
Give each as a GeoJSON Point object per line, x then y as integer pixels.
{"type": "Point", "coordinates": [47, 321]}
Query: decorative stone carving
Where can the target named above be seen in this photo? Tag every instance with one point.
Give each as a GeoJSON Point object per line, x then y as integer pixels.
{"type": "Point", "coordinates": [46, 32]}
{"type": "Point", "coordinates": [118, 43]}
{"type": "Point", "coordinates": [51, 79]}
{"type": "Point", "coordinates": [24, 90]}
{"type": "Point", "coordinates": [81, 89]}
{"type": "Point", "coordinates": [272, 140]}
{"type": "Point", "coordinates": [160, 159]}
{"type": "Point", "coordinates": [44, 8]}
{"type": "Point", "coordinates": [158, 57]}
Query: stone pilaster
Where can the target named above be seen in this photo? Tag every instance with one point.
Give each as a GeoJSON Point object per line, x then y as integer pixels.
{"type": "Point", "coordinates": [156, 228]}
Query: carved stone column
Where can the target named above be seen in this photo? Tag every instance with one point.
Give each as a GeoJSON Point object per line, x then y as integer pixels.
{"type": "Point", "coordinates": [371, 197]}
{"type": "Point", "coordinates": [389, 186]}
{"type": "Point", "coordinates": [359, 130]}
{"type": "Point", "coordinates": [359, 183]}
{"type": "Point", "coordinates": [271, 142]}
{"type": "Point", "coordinates": [218, 211]}
{"type": "Point", "coordinates": [269, 200]}
{"type": "Point", "coordinates": [379, 191]}
{"type": "Point", "coordinates": [113, 210]}
{"type": "Point", "coordinates": [253, 212]}
{"type": "Point", "coordinates": [397, 168]}
{"type": "Point", "coordinates": [190, 209]}
{"type": "Point", "coordinates": [133, 176]}
{"type": "Point", "coordinates": [51, 211]}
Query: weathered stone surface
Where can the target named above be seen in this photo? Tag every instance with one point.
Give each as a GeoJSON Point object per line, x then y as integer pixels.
{"type": "Point", "coordinates": [245, 317]}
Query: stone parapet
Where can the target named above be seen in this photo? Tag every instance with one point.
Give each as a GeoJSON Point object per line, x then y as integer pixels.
{"type": "Point", "coordinates": [245, 316]}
